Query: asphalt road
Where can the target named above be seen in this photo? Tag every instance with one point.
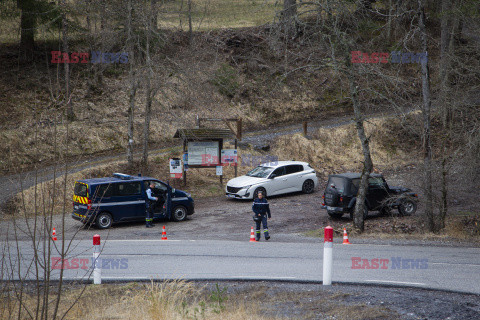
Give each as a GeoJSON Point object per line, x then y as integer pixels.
{"type": "Point", "coordinates": [446, 268]}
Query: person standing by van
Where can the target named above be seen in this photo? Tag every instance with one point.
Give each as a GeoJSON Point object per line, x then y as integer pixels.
{"type": "Point", "coordinates": [150, 203]}
{"type": "Point", "coordinates": [261, 209]}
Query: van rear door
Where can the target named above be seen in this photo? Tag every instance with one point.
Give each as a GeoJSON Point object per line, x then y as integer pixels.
{"type": "Point", "coordinates": [81, 201]}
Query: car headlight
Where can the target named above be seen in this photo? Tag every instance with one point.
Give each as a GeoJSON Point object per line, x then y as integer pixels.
{"type": "Point", "coordinates": [246, 187]}
{"type": "Point", "coordinates": [188, 194]}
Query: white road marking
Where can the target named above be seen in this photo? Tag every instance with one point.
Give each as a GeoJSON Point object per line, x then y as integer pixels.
{"type": "Point", "coordinates": [261, 277]}
{"type": "Point", "coordinates": [146, 240]}
{"type": "Point", "coordinates": [397, 282]}
{"type": "Point", "coordinates": [456, 264]}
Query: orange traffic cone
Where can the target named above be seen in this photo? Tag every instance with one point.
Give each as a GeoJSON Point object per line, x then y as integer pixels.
{"type": "Point", "coordinates": [164, 234]}
{"type": "Point", "coordinates": [252, 236]}
{"type": "Point", "coordinates": [54, 235]}
{"type": "Point", "coordinates": [345, 237]}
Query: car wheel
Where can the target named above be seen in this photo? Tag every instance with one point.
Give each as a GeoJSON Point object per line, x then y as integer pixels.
{"type": "Point", "coordinates": [179, 213]}
{"type": "Point", "coordinates": [262, 190]}
{"type": "Point", "coordinates": [365, 212]}
{"type": "Point", "coordinates": [308, 186]}
{"type": "Point", "coordinates": [407, 207]}
{"type": "Point", "coordinates": [104, 220]}
{"type": "Point", "coordinates": [335, 215]}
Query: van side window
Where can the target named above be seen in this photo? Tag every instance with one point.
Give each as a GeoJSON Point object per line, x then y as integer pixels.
{"type": "Point", "coordinates": [128, 188]}
{"type": "Point", "coordinates": [104, 191]}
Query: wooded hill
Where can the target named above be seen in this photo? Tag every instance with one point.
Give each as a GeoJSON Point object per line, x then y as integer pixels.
{"type": "Point", "coordinates": [265, 61]}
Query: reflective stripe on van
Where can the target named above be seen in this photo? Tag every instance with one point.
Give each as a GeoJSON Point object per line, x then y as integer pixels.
{"type": "Point", "coordinates": [79, 199]}
{"type": "Point", "coordinates": [121, 203]}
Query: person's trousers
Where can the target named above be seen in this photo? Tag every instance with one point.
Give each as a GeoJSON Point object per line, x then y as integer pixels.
{"type": "Point", "coordinates": [265, 227]}
{"type": "Point", "coordinates": [149, 216]}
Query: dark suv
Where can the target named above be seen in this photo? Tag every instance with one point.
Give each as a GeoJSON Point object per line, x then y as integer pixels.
{"type": "Point", "coordinates": [341, 192]}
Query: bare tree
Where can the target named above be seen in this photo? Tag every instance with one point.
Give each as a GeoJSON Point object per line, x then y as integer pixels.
{"type": "Point", "coordinates": [132, 76]}
{"type": "Point", "coordinates": [289, 17]}
{"type": "Point", "coordinates": [426, 112]}
{"type": "Point", "coordinates": [68, 101]}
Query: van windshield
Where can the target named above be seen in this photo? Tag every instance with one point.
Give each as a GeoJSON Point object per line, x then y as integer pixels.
{"type": "Point", "coordinates": [80, 189]}
{"type": "Point", "coordinates": [260, 172]}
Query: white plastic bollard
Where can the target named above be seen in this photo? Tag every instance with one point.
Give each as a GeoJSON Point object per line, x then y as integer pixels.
{"type": "Point", "coordinates": [97, 269]}
{"type": "Point", "coordinates": [328, 256]}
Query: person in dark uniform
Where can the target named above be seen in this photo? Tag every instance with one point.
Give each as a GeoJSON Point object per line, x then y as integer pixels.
{"type": "Point", "coordinates": [150, 203]}
{"type": "Point", "coordinates": [262, 210]}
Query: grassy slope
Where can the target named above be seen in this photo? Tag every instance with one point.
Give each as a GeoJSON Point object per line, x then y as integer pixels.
{"type": "Point", "coordinates": [211, 78]}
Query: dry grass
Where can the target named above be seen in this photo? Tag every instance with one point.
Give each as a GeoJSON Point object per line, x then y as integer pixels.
{"type": "Point", "coordinates": [334, 150]}
{"type": "Point", "coordinates": [155, 301]}
{"type": "Point", "coordinates": [460, 227]}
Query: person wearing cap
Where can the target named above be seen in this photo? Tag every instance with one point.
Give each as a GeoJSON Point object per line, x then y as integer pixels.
{"type": "Point", "coordinates": [261, 211]}
{"type": "Point", "coordinates": [150, 203]}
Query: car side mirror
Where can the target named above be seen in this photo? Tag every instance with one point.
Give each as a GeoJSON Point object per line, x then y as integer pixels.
{"type": "Point", "coordinates": [273, 176]}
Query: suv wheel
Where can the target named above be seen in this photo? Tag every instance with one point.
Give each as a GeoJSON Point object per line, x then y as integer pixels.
{"type": "Point", "coordinates": [407, 207]}
{"type": "Point", "coordinates": [179, 213]}
{"type": "Point", "coordinates": [365, 212]}
{"type": "Point", "coordinates": [262, 190]}
{"type": "Point", "coordinates": [308, 186]}
{"type": "Point", "coordinates": [104, 220]}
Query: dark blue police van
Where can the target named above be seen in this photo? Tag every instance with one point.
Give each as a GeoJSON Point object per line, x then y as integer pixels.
{"type": "Point", "coordinates": [104, 201]}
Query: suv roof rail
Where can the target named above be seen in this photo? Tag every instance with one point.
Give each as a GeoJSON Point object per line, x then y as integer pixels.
{"type": "Point", "coordinates": [122, 176]}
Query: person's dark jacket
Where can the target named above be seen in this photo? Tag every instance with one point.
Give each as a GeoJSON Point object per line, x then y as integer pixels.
{"type": "Point", "coordinates": [261, 206]}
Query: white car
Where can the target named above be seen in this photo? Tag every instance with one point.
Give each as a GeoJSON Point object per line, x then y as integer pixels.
{"type": "Point", "coordinates": [272, 179]}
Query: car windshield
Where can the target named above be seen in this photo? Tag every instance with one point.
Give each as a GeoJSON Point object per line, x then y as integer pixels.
{"type": "Point", "coordinates": [260, 172]}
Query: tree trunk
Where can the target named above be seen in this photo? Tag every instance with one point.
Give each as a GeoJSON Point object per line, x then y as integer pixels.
{"type": "Point", "coordinates": [358, 219]}
{"type": "Point", "coordinates": [68, 102]}
{"type": "Point", "coordinates": [190, 27]}
{"type": "Point", "coordinates": [133, 86]}
{"type": "Point", "coordinates": [27, 25]}
{"type": "Point", "coordinates": [426, 110]}
{"type": "Point", "coordinates": [389, 20]}
{"type": "Point", "coordinates": [289, 16]}
{"type": "Point", "coordinates": [148, 103]}
{"type": "Point", "coordinates": [154, 12]}
{"type": "Point", "coordinates": [448, 31]}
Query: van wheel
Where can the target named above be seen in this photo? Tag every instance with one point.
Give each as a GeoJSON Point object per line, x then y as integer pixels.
{"type": "Point", "coordinates": [179, 213]}
{"type": "Point", "coordinates": [104, 220]}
